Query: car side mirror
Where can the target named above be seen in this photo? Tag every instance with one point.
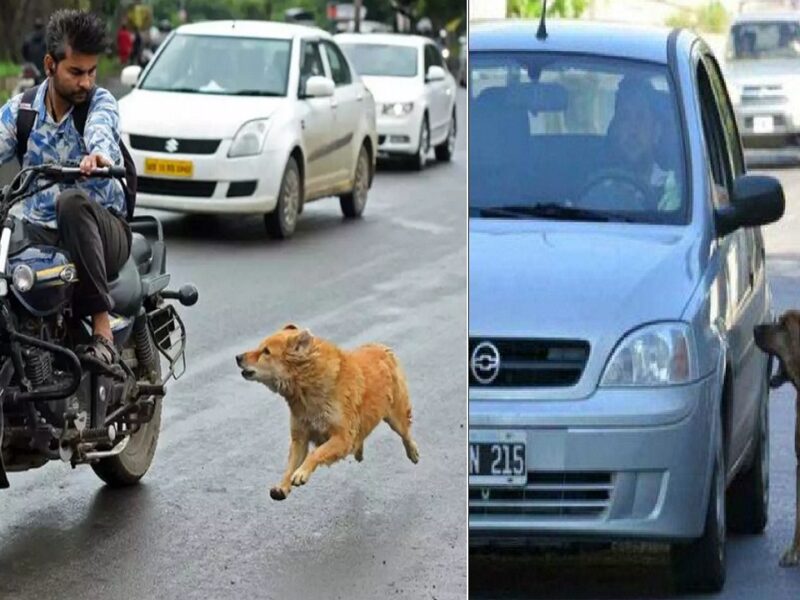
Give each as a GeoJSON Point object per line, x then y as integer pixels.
{"type": "Point", "coordinates": [757, 200]}
{"type": "Point", "coordinates": [319, 87]}
{"type": "Point", "coordinates": [435, 73]}
{"type": "Point", "coordinates": [130, 75]}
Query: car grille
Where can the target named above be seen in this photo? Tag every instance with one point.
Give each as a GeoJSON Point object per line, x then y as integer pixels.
{"type": "Point", "coordinates": [181, 146]}
{"type": "Point", "coordinates": [759, 95]}
{"type": "Point", "coordinates": [547, 494]}
{"type": "Point", "coordinates": [527, 363]}
{"type": "Point", "coordinates": [175, 187]}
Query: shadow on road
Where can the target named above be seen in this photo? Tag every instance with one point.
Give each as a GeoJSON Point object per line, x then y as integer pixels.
{"type": "Point", "coordinates": [556, 576]}
{"type": "Point", "coordinates": [58, 539]}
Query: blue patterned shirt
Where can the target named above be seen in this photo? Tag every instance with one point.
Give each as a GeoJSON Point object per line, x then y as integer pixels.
{"type": "Point", "coordinates": [60, 143]}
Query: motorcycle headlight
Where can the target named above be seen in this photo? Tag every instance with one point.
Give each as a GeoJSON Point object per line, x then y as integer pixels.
{"type": "Point", "coordinates": [655, 355]}
{"type": "Point", "coordinates": [249, 140]}
{"type": "Point", "coordinates": [23, 278]}
{"type": "Point", "coordinates": [397, 109]}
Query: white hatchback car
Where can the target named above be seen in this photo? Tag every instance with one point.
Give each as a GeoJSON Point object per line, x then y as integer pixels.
{"type": "Point", "coordinates": [415, 93]}
{"type": "Point", "coordinates": [250, 117]}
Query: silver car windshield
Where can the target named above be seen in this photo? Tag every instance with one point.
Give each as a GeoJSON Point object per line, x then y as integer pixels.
{"type": "Point", "coordinates": [382, 60]}
{"type": "Point", "coordinates": [221, 65]}
{"type": "Point", "coordinates": [573, 137]}
{"type": "Point", "coordinates": [764, 39]}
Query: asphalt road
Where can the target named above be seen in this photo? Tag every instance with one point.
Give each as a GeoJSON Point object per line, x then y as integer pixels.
{"type": "Point", "coordinates": [642, 572]}
{"type": "Point", "coordinates": [201, 524]}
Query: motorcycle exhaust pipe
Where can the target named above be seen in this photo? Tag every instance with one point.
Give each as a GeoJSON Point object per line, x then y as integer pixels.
{"type": "Point", "coordinates": [187, 295]}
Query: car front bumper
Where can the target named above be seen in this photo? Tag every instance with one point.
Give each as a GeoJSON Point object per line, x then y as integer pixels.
{"type": "Point", "coordinates": [621, 478]}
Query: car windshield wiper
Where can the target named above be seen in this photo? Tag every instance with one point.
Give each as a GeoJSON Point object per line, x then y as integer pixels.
{"type": "Point", "coordinates": [255, 93]}
{"type": "Point", "coordinates": [551, 210]}
{"type": "Point", "coordinates": [183, 90]}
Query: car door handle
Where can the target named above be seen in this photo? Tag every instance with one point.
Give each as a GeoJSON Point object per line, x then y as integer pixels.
{"type": "Point", "coordinates": [334, 104]}
{"type": "Point", "coordinates": [360, 97]}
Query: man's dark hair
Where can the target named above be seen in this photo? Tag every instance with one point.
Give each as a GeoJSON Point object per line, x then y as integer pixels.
{"type": "Point", "coordinates": [82, 31]}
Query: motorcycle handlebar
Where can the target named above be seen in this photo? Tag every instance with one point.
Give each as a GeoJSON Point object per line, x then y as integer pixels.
{"type": "Point", "coordinates": [58, 171]}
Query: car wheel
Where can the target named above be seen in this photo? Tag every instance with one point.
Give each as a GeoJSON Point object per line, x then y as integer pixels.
{"type": "Point", "coordinates": [699, 566]}
{"type": "Point", "coordinates": [445, 150]}
{"type": "Point", "coordinates": [282, 221]}
{"type": "Point", "coordinates": [748, 498]}
{"type": "Point", "coordinates": [420, 159]}
{"type": "Point", "coordinates": [353, 203]}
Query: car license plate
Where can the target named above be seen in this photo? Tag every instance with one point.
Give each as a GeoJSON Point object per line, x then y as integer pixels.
{"type": "Point", "coordinates": [497, 458]}
{"type": "Point", "coordinates": [169, 168]}
{"type": "Point", "coordinates": [763, 124]}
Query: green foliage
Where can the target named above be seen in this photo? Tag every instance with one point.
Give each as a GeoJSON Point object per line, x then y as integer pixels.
{"type": "Point", "coordinates": [711, 18]}
{"type": "Point", "coordinates": [8, 69]}
{"type": "Point", "coordinates": [529, 9]}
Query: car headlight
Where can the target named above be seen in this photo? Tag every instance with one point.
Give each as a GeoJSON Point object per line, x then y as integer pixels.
{"type": "Point", "coordinates": [249, 140]}
{"type": "Point", "coordinates": [397, 109]}
{"type": "Point", "coordinates": [23, 278]}
{"type": "Point", "coordinates": [655, 355]}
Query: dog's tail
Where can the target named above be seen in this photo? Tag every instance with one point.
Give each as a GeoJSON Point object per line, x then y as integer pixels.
{"type": "Point", "coordinates": [400, 396]}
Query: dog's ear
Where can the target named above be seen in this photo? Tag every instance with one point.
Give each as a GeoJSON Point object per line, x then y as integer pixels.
{"type": "Point", "coordinates": [302, 342]}
{"type": "Point", "coordinates": [289, 326]}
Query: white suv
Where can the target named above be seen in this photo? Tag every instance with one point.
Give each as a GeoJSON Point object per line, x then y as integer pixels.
{"type": "Point", "coordinates": [250, 117]}
{"type": "Point", "coordinates": [763, 75]}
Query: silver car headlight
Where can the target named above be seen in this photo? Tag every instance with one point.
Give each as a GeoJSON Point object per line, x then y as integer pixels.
{"type": "Point", "coordinates": [656, 355]}
{"type": "Point", "coordinates": [23, 278]}
{"type": "Point", "coordinates": [397, 109]}
{"type": "Point", "coordinates": [249, 140]}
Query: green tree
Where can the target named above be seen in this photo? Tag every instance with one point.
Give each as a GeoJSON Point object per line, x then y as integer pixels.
{"type": "Point", "coordinates": [529, 9]}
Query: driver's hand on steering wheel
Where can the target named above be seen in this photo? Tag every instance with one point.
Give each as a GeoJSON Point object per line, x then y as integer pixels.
{"type": "Point", "coordinates": [90, 162]}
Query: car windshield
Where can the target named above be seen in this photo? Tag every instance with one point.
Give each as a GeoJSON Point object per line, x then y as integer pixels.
{"type": "Point", "coordinates": [774, 39]}
{"type": "Point", "coordinates": [564, 136]}
{"type": "Point", "coordinates": [383, 60]}
{"type": "Point", "coordinates": [221, 65]}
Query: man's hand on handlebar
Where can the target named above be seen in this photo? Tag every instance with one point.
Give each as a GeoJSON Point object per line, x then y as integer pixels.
{"type": "Point", "coordinates": [90, 162]}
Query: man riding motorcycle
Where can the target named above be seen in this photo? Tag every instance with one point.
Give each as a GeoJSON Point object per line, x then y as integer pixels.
{"type": "Point", "coordinates": [87, 219]}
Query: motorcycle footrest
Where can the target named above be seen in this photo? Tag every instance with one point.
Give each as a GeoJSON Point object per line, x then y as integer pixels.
{"type": "Point", "coordinates": [148, 389]}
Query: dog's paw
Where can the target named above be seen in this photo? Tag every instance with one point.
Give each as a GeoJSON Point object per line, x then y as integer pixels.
{"type": "Point", "coordinates": [300, 477]}
{"type": "Point", "coordinates": [412, 451]}
{"type": "Point", "coordinates": [790, 558]}
{"type": "Point", "coordinates": [359, 455]}
{"type": "Point", "coordinates": [278, 493]}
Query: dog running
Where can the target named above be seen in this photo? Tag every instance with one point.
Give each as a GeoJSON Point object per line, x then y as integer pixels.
{"type": "Point", "coordinates": [782, 340]}
{"type": "Point", "coordinates": [335, 397]}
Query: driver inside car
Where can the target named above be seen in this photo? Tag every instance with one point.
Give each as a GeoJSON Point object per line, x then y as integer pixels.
{"type": "Point", "coordinates": [88, 219]}
{"type": "Point", "coordinates": [634, 134]}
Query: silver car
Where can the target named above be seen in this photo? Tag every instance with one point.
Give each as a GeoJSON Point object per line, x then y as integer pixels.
{"type": "Point", "coordinates": [763, 74]}
{"type": "Point", "coordinates": [616, 272]}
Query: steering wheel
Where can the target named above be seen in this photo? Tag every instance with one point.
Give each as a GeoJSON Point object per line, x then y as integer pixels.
{"type": "Point", "coordinates": [641, 200]}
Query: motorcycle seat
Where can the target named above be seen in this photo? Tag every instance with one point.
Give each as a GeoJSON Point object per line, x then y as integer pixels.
{"type": "Point", "coordinates": [141, 250]}
{"type": "Point", "coordinates": [126, 289]}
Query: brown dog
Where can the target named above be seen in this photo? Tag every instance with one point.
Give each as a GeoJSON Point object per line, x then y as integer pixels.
{"type": "Point", "coordinates": [336, 398]}
{"type": "Point", "coordinates": [782, 339]}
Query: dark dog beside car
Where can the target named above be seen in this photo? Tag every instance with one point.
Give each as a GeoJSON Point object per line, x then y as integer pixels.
{"type": "Point", "coordinates": [782, 340]}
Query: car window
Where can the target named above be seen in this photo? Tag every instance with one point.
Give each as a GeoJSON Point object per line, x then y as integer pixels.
{"type": "Point", "coordinates": [310, 61]}
{"type": "Point", "coordinates": [728, 118]}
{"type": "Point", "coordinates": [383, 60]}
{"type": "Point", "coordinates": [764, 40]}
{"type": "Point", "coordinates": [574, 133]}
{"type": "Point", "coordinates": [202, 64]}
{"type": "Point", "coordinates": [339, 69]}
{"type": "Point", "coordinates": [713, 132]}
{"type": "Point", "coordinates": [436, 55]}
{"type": "Point", "coordinates": [428, 58]}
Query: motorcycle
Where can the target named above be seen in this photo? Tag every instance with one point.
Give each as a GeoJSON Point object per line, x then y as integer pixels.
{"type": "Point", "coordinates": [56, 402]}
{"type": "Point", "coordinates": [29, 76]}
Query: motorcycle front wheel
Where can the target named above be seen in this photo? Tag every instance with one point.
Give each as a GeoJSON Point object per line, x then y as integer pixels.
{"type": "Point", "coordinates": [130, 465]}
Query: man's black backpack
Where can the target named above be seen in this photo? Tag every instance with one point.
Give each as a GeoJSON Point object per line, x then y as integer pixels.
{"type": "Point", "coordinates": [27, 117]}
